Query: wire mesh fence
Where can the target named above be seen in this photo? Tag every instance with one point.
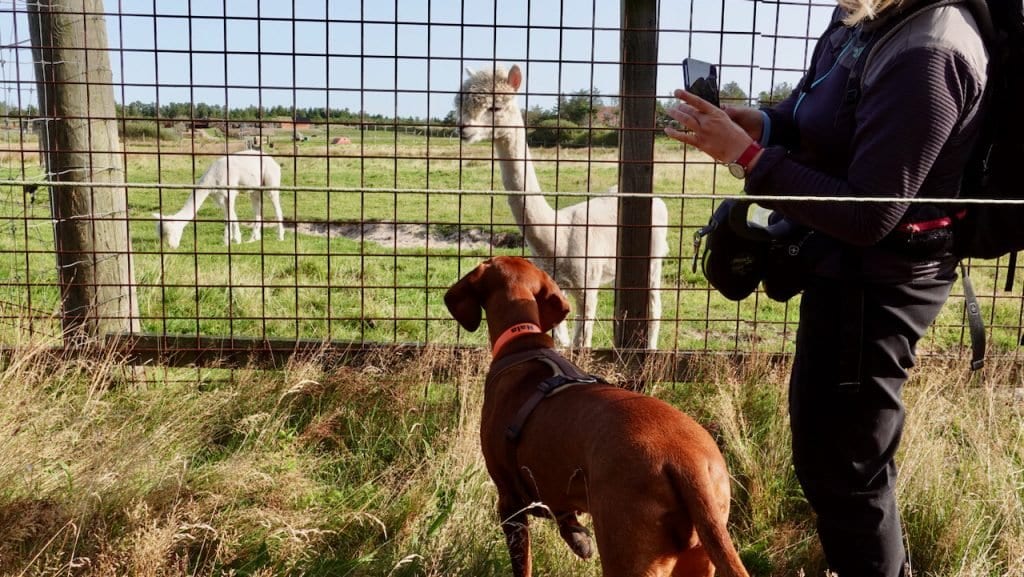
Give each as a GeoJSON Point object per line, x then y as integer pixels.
{"type": "Point", "coordinates": [384, 205]}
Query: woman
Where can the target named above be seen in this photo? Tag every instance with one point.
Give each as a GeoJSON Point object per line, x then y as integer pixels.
{"type": "Point", "coordinates": [900, 128]}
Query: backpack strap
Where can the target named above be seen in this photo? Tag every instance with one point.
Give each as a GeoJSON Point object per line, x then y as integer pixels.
{"type": "Point", "coordinates": [979, 9]}
{"type": "Point", "coordinates": [975, 323]}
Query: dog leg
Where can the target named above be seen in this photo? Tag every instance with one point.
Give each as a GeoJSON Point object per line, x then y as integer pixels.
{"type": "Point", "coordinates": [575, 535]}
{"type": "Point", "coordinates": [693, 563]}
{"type": "Point", "coordinates": [516, 525]}
{"type": "Point", "coordinates": [633, 541]}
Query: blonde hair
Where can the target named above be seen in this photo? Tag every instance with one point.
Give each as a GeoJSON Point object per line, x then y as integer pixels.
{"type": "Point", "coordinates": [861, 10]}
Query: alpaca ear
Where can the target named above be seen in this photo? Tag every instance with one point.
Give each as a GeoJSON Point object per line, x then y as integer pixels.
{"type": "Point", "coordinates": [551, 305]}
{"type": "Point", "coordinates": [463, 300]}
{"type": "Point", "coordinates": [515, 77]}
{"type": "Point", "coordinates": [469, 71]}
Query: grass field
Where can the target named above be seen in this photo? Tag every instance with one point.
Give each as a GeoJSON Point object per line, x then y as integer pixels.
{"type": "Point", "coordinates": [311, 286]}
{"type": "Point", "coordinates": [375, 470]}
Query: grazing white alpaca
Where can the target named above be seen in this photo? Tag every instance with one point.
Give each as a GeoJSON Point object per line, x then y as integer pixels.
{"type": "Point", "coordinates": [249, 168]}
{"type": "Point", "coordinates": [576, 245]}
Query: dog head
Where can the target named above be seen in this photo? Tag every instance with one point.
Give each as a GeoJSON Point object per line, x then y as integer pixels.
{"type": "Point", "coordinates": [511, 290]}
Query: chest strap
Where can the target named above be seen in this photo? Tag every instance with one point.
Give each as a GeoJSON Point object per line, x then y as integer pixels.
{"type": "Point", "coordinates": [564, 375]}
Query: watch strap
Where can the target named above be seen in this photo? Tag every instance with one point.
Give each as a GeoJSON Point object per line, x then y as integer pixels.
{"type": "Point", "coordinates": [748, 154]}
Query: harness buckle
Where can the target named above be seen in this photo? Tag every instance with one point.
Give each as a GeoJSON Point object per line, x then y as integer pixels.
{"type": "Point", "coordinates": [554, 382]}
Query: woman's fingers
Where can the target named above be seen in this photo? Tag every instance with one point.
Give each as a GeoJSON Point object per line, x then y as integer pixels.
{"type": "Point", "coordinates": [685, 115]}
{"type": "Point", "coordinates": [707, 127]}
{"type": "Point", "coordinates": [687, 137]}
{"type": "Point", "coordinates": [702, 106]}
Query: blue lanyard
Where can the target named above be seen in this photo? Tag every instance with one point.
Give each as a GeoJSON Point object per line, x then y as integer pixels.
{"type": "Point", "coordinates": [817, 81]}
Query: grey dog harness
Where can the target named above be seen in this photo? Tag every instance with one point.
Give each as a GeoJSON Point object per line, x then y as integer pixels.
{"type": "Point", "coordinates": [564, 375]}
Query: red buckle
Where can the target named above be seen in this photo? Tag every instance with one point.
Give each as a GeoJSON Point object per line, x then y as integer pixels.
{"type": "Point", "coordinates": [915, 227]}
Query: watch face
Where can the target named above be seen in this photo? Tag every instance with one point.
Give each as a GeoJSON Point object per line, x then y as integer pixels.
{"type": "Point", "coordinates": [736, 169]}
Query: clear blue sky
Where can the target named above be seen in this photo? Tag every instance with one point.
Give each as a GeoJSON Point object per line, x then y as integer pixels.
{"type": "Point", "coordinates": [383, 56]}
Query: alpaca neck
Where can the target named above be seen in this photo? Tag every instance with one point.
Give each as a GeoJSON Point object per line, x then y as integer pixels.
{"type": "Point", "coordinates": [532, 212]}
{"type": "Point", "coordinates": [191, 208]}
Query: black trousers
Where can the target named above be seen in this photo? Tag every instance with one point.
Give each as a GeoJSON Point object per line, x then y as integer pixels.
{"type": "Point", "coordinates": [855, 344]}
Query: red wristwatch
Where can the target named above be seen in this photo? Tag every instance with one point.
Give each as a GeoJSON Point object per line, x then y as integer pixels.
{"type": "Point", "coordinates": [738, 168]}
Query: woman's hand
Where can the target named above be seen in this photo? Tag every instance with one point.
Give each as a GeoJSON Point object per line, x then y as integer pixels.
{"type": "Point", "coordinates": [750, 119]}
{"type": "Point", "coordinates": [710, 129]}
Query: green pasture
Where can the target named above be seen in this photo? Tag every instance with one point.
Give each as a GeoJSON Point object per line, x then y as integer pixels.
{"type": "Point", "coordinates": [311, 286]}
{"type": "Point", "coordinates": [374, 469]}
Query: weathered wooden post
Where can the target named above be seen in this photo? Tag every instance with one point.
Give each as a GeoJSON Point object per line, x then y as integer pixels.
{"type": "Point", "coordinates": [638, 90]}
{"type": "Point", "coordinates": [81, 146]}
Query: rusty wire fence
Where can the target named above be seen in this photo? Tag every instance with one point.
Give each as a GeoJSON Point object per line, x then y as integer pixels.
{"type": "Point", "coordinates": [384, 206]}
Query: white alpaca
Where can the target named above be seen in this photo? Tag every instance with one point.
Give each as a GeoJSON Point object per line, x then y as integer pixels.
{"type": "Point", "coordinates": [249, 168]}
{"type": "Point", "coordinates": [576, 245]}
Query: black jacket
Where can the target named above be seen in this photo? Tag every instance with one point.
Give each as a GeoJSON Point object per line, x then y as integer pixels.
{"type": "Point", "coordinates": [907, 134]}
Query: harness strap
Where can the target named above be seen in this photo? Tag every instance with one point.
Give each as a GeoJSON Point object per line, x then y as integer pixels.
{"type": "Point", "coordinates": [564, 375]}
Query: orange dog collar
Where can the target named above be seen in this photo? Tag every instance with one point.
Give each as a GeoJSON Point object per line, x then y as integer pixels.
{"type": "Point", "coordinates": [513, 332]}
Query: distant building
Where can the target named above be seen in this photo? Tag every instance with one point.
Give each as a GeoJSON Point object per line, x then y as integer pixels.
{"type": "Point", "coordinates": [285, 123]}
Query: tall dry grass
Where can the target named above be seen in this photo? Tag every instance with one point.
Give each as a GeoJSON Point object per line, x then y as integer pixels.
{"type": "Point", "coordinates": [374, 469]}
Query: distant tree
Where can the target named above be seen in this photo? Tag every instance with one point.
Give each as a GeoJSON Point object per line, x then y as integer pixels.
{"type": "Point", "coordinates": [778, 94]}
{"type": "Point", "coordinates": [202, 110]}
{"type": "Point", "coordinates": [554, 131]}
{"type": "Point", "coordinates": [732, 94]}
{"type": "Point", "coordinates": [579, 107]}
{"type": "Point", "coordinates": [139, 109]}
{"type": "Point", "coordinates": [535, 115]}
{"type": "Point", "coordinates": [661, 118]}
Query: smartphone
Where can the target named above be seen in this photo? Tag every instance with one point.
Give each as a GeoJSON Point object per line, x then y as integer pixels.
{"type": "Point", "coordinates": [701, 78]}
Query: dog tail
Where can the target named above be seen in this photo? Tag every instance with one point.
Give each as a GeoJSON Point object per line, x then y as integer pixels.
{"type": "Point", "coordinates": [696, 492]}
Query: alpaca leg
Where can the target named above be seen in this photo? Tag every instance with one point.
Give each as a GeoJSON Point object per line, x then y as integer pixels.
{"type": "Point", "coordinates": [654, 305]}
{"type": "Point", "coordinates": [562, 334]}
{"type": "Point", "coordinates": [227, 225]}
{"type": "Point", "coordinates": [584, 336]}
{"type": "Point", "coordinates": [562, 329]}
{"type": "Point", "coordinates": [256, 198]}
{"type": "Point", "coordinates": [232, 217]}
{"type": "Point", "coordinates": [275, 199]}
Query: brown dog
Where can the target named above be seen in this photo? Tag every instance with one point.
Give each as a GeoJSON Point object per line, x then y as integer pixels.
{"type": "Point", "coordinates": [653, 481]}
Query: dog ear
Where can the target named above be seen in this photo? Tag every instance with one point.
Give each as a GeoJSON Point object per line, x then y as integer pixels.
{"type": "Point", "coordinates": [463, 300]}
{"type": "Point", "coordinates": [551, 305]}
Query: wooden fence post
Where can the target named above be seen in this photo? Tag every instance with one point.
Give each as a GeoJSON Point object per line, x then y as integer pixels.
{"type": "Point", "coordinates": [638, 88]}
{"type": "Point", "coordinates": [81, 146]}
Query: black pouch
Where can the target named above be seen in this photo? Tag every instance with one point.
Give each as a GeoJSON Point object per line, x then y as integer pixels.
{"type": "Point", "coordinates": [792, 260]}
{"type": "Point", "coordinates": [740, 255]}
{"type": "Point", "coordinates": [732, 263]}
{"type": "Point", "coordinates": [925, 231]}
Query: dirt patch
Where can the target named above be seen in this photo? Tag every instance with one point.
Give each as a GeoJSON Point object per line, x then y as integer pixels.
{"type": "Point", "coordinates": [405, 235]}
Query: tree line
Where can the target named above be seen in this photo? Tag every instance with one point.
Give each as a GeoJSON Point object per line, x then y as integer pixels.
{"type": "Point", "coordinates": [584, 117]}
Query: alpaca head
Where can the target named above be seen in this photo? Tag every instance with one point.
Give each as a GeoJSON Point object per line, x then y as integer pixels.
{"type": "Point", "coordinates": [169, 230]}
{"type": "Point", "coordinates": [486, 104]}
